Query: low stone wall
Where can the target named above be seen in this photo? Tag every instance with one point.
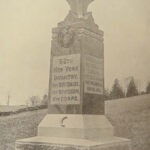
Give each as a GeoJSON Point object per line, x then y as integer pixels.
{"type": "Point", "coordinates": [131, 119]}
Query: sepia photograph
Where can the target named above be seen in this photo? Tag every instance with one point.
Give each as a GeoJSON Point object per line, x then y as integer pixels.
{"type": "Point", "coordinates": [74, 74]}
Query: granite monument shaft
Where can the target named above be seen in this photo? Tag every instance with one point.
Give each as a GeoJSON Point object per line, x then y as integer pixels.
{"type": "Point", "coordinates": [77, 64]}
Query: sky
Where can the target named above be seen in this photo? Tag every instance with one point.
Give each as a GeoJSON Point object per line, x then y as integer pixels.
{"type": "Point", "coordinates": [25, 42]}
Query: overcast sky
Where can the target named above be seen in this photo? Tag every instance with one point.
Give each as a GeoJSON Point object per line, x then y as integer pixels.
{"type": "Point", "coordinates": [25, 35]}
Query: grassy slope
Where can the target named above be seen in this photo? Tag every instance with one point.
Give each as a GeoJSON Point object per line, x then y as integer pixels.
{"type": "Point", "coordinates": [131, 119]}
{"type": "Point", "coordinates": [19, 126]}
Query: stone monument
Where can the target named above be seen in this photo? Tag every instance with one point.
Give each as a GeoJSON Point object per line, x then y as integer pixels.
{"type": "Point", "coordinates": [75, 119]}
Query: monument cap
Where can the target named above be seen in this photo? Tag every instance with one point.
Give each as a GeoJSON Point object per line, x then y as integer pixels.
{"type": "Point", "coordinates": [79, 7]}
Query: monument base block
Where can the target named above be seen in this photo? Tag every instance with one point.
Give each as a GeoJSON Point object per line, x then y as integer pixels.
{"type": "Point", "coordinates": [49, 143]}
{"type": "Point", "coordinates": [74, 132]}
{"type": "Point", "coordinates": [75, 126]}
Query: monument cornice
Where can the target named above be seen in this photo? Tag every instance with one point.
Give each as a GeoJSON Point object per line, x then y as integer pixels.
{"type": "Point", "coordinates": [79, 30]}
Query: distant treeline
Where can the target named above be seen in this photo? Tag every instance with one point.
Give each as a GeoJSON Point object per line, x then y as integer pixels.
{"type": "Point", "coordinates": [20, 110]}
{"type": "Point", "coordinates": [118, 92]}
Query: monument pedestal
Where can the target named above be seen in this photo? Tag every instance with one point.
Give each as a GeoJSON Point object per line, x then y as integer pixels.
{"type": "Point", "coordinates": [74, 132]}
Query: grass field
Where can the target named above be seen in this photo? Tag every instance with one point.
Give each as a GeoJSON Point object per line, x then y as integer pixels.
{"type": "Point", "coordinates": [19, 126]}
{"type": "Point", "coordinates": [4, 108]}
{"type": "Point", "coordinates": [130, 118]}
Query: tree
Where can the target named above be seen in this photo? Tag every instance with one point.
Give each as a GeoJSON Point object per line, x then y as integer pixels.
{"type": "Point", "coordinates": [117, 91]}
{"type": "Point", "coordinates": [45, 100]}
{"type": "Point", "coordinates": [148, 88]}
{"type": "Point", "coordinates": [34, 100]}
{"type": "Point", "coordinates": [106, 94]}
{"type": "Point", "coordinates": [132, 89]}
{"type": "Point", "coordinates": [142, 93]}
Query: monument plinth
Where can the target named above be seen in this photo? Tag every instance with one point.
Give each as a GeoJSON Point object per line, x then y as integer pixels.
{"type": "Point", "coordinates": [75, 118]}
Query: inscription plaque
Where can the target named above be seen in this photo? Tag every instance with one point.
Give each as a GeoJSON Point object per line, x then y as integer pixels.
{"type": "Point", "coordinates": [65, 88]}
{"type": "Point", "coordinates": [94, 75]}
